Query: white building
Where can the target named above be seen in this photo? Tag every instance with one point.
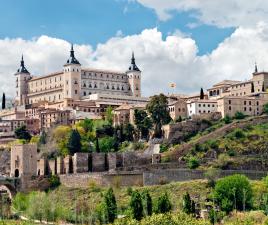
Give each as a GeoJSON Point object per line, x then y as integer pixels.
{"type": "Point", "coordinates": [201, 106]}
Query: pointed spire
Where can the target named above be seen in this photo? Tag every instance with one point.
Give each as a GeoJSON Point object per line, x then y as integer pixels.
{"type": "Point", "coordinates": [72, 59]}
{"type": "Point", "coordinates": [133, 65]}
{"type": "Point", "coordinates": [22, 68]}
{"type": "Point", "coordinates": [256, 68]}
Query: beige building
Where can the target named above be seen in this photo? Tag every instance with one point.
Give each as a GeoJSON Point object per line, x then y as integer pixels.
{"type": "Point", "coordinates": [248, 105]}
{"type": "Point", "coordinates": [201, 106]}
{"type": "Point", "coordinates": [177, 108]}
{"type": "Point", "coordinates": [125, 114]}
{"type": "Point", "coordinates": [74, 82]}
{"type": "Point", "coordinates": [257, 84]}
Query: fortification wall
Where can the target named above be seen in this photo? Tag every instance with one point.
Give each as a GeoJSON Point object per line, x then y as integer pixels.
{"type": "Point", "coordinates": [174, 175]}
{"type": "Point", "coordinates": [104, 179]}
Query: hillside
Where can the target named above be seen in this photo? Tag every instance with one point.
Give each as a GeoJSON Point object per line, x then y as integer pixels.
{"type": "Point", "coordinates": [237, 142]}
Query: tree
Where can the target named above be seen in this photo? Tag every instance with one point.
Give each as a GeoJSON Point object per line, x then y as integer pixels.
{"type": "Point", "coordinates": [202, 93]}
{"type": "Point", "coordinates": [3, 101]}
{"type": "Point", "coordinates": [186, 204]}
{"type": "Point", "coordinates": [109, 115]}
{"type": "Point", "coordinates": [148, 204]}
{"type": "Point", "coordinates": [143, 123]}
{"type": "Point", "coordinates": [233, 192]}
{"type": "Point", "coordinates": [136, 205]}
{"type": "Point", "coordinates": [87, 125]}
{"type": "Point", "coordinates": [22, 133]}
{"type": "Point", "coordinates": [43, 137]}
{"type": "Point", "coordinates": [110, 205]}
{"type": "Point", "coordinates": [74, 142]}
{"type": "Point", "coordinates": [128, 132]}
{"type": "Point", "coordinates": [263, 89]}
{"type": "Point", "coordinates": [227, 119]}
{"type": "Point", "coordinates": [158, 109]}
{"type": "Point", "coordinates": [252, 88]}
{"type": "Point", "coordinates": [163, 204]}
{"type": "Point", "coordinates": [265, 108]}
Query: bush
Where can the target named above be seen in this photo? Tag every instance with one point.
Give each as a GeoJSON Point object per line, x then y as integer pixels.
{"type": "Point", "coordinates": [227, 119]}
{"type": "Point", "coordinates": [239, 115]}
{"type": "Point", "coordinates": [188, 204]}
{"type": "Point", "coordinates": [54, 181]}
{"type": "Point", "coordinates": [233, 192]}
{"type": "Point", "coordinates": [193, 163]}
{"type": "Point", "coordinates": [265, 108]}
{"type": "Point", "coordinates": [164, 147]}
{"type": "Point", "coordinates": [238, 133]}
{"type": "Point", "coordinates": [163, 204]}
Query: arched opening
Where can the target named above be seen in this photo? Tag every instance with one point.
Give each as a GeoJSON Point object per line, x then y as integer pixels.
{"type": "Point", "coordinates": [38, 173]}
{"type": "Point", "coordinates": [17, 173]}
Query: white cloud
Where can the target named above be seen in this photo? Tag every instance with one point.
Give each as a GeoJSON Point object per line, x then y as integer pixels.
{"type": "Point", "coordinates": [162, 61]}
{"type": "Point", "coordinates": [222, 13]}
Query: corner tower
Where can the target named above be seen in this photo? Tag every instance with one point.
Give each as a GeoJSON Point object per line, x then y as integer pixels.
{"type": "Point", "coordinates": [22, 78]}
{"type": "Point", "coordinates": [72, 77]}
{"type": "Point", "coordinates": [134, 78]}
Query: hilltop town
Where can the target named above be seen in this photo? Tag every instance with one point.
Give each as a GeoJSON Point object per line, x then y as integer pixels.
{"type": "Point", "coordinates": [82, 128]}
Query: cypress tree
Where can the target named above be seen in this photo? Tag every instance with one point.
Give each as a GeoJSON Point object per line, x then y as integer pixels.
{"type": "Point", "coordinates": [74, 142]}
{"type": "Point", "coordinates": [3, 101]}
{"type": "Point", "coordinates": [187, 204]}
{"type": "Point", "coordinates": [202, 93]}
{"type": "Point", "coordinates": [110, 205]}
{"type": "Point", "coordinates": [148, 204]}
{"type": "Point", "coordinates": [163, 204]}
{"type": "Point", "coordinates": [263, 89]}
{"type": "Point", "coordinates": [136, 205]}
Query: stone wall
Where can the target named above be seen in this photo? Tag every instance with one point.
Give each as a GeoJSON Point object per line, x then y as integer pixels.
{"type": "Point", "coordinates": [5, 162]}
{"type": "Point", "coordinates": [104, 179]}
{"type": "Point", "coordinates": [174, 175]}
{"type": "Point", "coordinates": [80, 162]}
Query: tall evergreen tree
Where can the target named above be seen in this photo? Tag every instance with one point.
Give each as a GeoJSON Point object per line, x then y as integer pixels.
{"type": "Point", "coordinates": [188, 205]}
{"type": "Point", "coordinates": [163, 204]}
{"type": "Point", "coordinates": [3, 101]}
{"type": "Point", "coordinates": [110, 205]}
{"type": "Point", "coordinates": [263, 89]}
{"type": "Point", "coordinates": [148, 204]}
{"type": "Point", "coordinates": [202, 93]}
{"type": "Point", "coordinates": [136, 205]}
{"type": "Point", "coordinates": [74, 142]}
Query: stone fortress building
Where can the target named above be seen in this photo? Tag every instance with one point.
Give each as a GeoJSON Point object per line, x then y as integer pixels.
{"type": "Point", "coordinates": [75, 82]}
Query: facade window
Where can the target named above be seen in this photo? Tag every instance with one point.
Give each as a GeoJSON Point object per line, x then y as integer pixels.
{"type": "Point", "coordinates": [245, 102]}
{"type": "Point", "coordinates": [208, 105]}
{"type": "Point", "coordinates": [249, 102]}
{"type": "Point", "coordinates": [245, 109]}
{"type": "Point", "coordinates": [250, 109]}
{"type": "Point", "coordinates": [85, 93]}
{"type": "Point", "coordinates": [230, 102]}
{"type": "Point", "coordinates": [198, 105]}
{"type": "Point", "coordinates": [230, 108]}
{"type": "Point", "coordinates": [257, 103]}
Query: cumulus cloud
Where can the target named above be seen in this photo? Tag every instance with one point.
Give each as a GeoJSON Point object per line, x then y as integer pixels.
{"type": "Point", "coordinates": [222, 13]}
{"type": "Point", "coordinates": [173, 59]}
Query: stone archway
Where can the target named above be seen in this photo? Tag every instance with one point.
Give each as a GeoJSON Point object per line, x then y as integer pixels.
{"type": "Point", "coordinates": [11, 190]}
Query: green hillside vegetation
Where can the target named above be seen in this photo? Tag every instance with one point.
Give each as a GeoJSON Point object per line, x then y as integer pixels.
{"type": "Point", "coordinates": [238, 146]}
{"type": "Point", "coordinates": [88, 205]}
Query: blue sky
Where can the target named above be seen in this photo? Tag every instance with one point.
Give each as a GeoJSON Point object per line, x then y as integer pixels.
{"type": "Point", "coordinates": [96, 21]}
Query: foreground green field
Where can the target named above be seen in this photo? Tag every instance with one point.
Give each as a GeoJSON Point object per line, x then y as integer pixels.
{"type": "Point", "coordinates": [85, 205]}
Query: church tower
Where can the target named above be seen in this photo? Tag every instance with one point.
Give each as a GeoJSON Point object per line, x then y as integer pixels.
{"type": "Point", "coordinates": [72, 77]}
{"type": "Point", "coordinates": [22, 78]}
{"type": "Point", "coordinates": [134, 78]}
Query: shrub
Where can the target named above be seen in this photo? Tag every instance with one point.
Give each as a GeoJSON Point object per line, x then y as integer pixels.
{"type": "Point", "coordinates": [233, 192]}
{"type": "Point", "coordinates": [223, 161]}
{"type": "Point", "coordinates": [193, 162]}
{"type": "Point", "coordinates": [227, 119]}
{"type": "Point", "coordinates": [129, 191]}
{"type": "Point", "coordinates": [238, 133]}
{"type": "Point", "coordinates": [163, 204]}
{"type": "Point", "coordinates": [54, 181]}
{"type": "Point", "coordinates": [164, 147]}
{"type": "Point", "coordinates": [214, 144]}
{"type": "Point", "coordinates": [239, 115]}
{"type": "Point", "coordinates": [265, 108]}
{"type": "Point", "coordinates": [178, 120]}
